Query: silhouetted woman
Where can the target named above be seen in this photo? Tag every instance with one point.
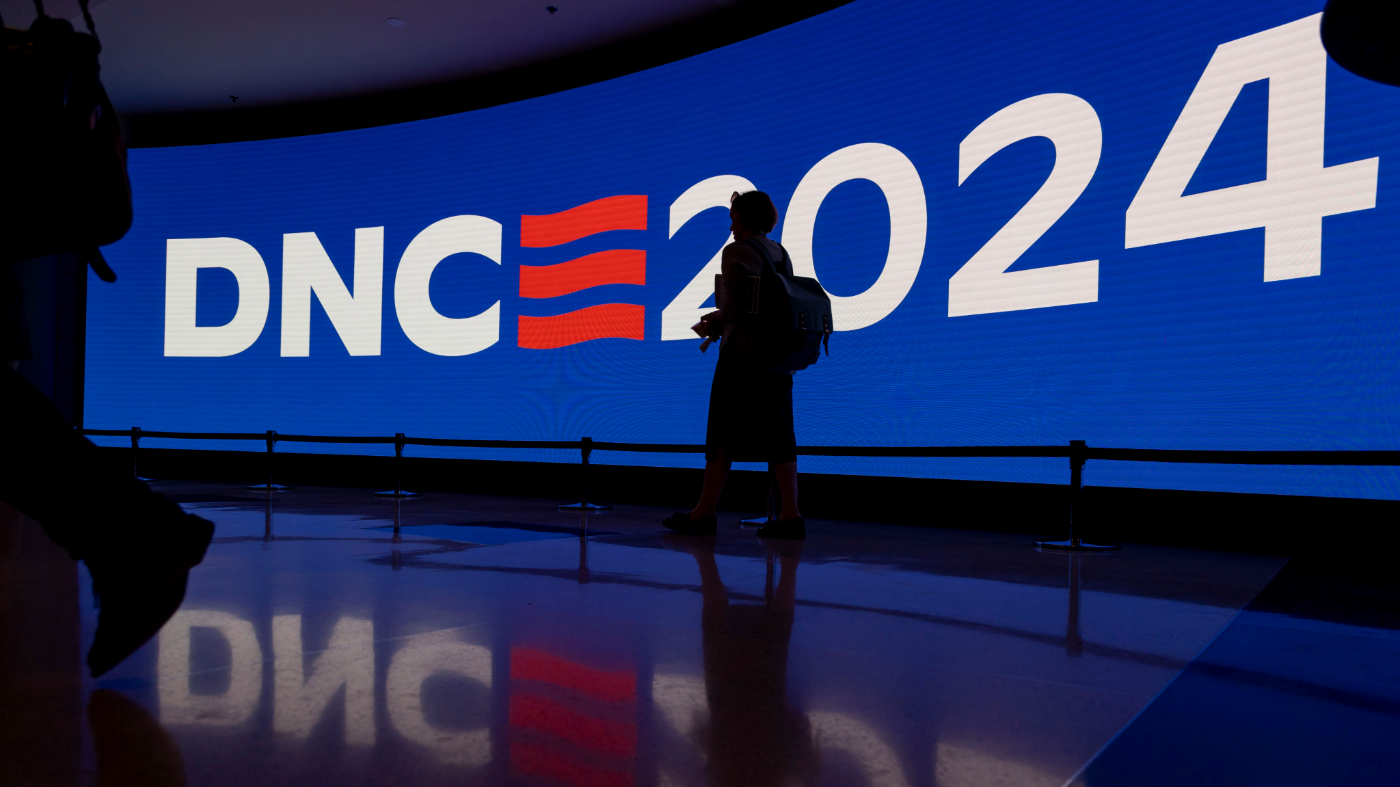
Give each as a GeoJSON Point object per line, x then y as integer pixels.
{"type": "Point", "coordinates": [750, 407]}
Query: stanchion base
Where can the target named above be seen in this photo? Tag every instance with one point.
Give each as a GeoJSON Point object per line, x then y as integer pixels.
{"type": "Point", "coordinates": [146, 480]}
{"type": "Point", "coordinates": [756, 522]}
{"type": "Point", "coordinates": [269, 487]}
{"type": "Point", "coordinates": [584, 507]}
{"type": "Point", "coordinates": [1077, 545]}
{"type": "Point", "coordinates": [399, 493]}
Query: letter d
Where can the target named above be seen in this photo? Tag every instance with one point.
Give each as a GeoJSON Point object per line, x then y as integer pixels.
{"type": "Point", "coordinates": [183, 259]}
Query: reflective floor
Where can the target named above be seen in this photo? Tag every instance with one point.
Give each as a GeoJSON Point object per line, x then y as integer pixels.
{"type": "Point", "coordinates": [331, 637]}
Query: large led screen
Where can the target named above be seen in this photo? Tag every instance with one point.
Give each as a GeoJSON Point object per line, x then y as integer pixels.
{"type": "Point", "coordinates": [1160, 225]}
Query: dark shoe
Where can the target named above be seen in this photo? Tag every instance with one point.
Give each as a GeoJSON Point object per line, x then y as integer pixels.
{"type": "Point", "coordinates": [138, 593]}
{"type": "Point", "coordinates": [785, 528]}
{"type": "Point", "coordinates": [689, 545]}
{"type": "Point", "coordinates": [681, 522]}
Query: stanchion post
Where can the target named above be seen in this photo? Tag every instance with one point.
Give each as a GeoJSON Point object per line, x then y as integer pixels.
{"type": "Point", "coordinates": [1076, 481]}
{"type": "Point", "coordinates": [586, 451]}
{"type": "Point", "coordinates": [136, 456]}
{"type": "Point", "coordinates": [1078, 455]}
{"type": "Point", "coordinates": [584, 575]}
{"type": "Point", "coordinates": [1074, 641]}
{"type": "Point", "coordinates": [586, 448]}
{"type": "Point", "coordinates": [398, 471]}
{"type": "Point", "coordinates": [396, 554]}
{"type": "Point", "coordinates": [271, 449]}
{"type": "Point", "coordinates": [774, 495]}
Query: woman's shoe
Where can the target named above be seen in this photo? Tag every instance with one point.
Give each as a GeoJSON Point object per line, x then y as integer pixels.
{"type": "Point", "coordinates": [680, 522]}
{"type": "Point", "coordinates": [785, 528]}
{"type": "Point", "coordinates": [689, 545]}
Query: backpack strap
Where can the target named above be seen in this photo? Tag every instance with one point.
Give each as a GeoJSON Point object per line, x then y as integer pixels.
{"type": "Point", "coordinates": [758, 247]}
{"type": "Point", "coordinates": [768, 258]}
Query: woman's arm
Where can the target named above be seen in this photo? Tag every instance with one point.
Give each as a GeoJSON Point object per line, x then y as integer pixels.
{"type": "Point", "coordinates": [732, 292]}
{"type": "Point", "coordinates": [709, 327]}
{"type": "Point", "coordinates": [738, 264]}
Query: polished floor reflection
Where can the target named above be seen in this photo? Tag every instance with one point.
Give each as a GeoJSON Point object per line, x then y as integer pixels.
{"type": "Point", "coordinates": [334, 638]}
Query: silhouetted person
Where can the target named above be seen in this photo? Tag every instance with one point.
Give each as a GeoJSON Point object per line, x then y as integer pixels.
{"type": "Point", "coordinates": [755, 737]}
{"type": "Point", "coordinates": [69, 192]}
{"type": "Point", "coordinates": [14, 332]}
{"type": "Point", "coordinates": [750, 418]}
{"type": "Point", "coordinates": [138, 546]}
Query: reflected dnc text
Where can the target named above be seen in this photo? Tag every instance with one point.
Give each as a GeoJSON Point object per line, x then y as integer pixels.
{"type": "Point", "coordinates": [548, 717]}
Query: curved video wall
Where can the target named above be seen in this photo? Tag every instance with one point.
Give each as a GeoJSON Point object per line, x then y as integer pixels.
{"type": "Point", "coordinates": [1162, 225]}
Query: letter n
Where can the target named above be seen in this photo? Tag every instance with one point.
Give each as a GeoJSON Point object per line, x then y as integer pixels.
{"type": "Point", "coordinates": [348, 661]}
{"type": "Point", "coordinates": [306, 268]}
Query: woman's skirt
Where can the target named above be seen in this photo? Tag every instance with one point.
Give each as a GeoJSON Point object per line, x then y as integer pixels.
{"type": "Point", "coordinates": [750, 412]}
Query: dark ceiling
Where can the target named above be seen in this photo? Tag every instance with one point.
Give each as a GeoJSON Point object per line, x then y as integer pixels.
{"type": "Point", "coordinates": [173, 67]}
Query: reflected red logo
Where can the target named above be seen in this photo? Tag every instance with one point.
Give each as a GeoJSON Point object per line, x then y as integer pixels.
{"type": "Point", "coordinates": [617, 266]}
{"type": "Point", "coordinates": [570, 723]}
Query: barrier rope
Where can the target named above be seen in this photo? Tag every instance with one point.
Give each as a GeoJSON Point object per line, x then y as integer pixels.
{"type": "Point", "coordinates": [1077, 453]}
{"type": "Point", "coordinates": [1171, 455]}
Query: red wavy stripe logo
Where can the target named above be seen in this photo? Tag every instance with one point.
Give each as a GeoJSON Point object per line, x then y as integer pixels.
{"type": "Point", "coordinates": [537, 665]}
{"type": "Point", "coordinates": [604, 321]}
{"type": "Point", "coordinates": [538, 761]}
{"type": "Point", "coordinates": [619, 266]}
{"type": "Point", "coordinates": [625, 212]}
{"type": "Point", "coordinates": [617, 738]}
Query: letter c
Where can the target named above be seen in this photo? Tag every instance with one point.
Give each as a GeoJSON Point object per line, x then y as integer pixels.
{"type": "Point", "coordinates": [420, 658]}
{"type": "Point", "coordinates": [423, 325]}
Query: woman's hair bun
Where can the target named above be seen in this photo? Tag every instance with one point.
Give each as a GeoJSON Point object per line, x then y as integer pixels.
{"type": "Point", "coordinates": [756, 211]}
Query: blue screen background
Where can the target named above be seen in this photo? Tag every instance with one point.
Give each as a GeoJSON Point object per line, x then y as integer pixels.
{"type": "Point", "coordinates": [1186, 347]}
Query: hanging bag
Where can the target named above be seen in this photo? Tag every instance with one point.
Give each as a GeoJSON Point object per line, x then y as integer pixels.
{"type": "Point", "coordinates": [790, 316]}
{"type": "Point", "coordinates": [65, 181]}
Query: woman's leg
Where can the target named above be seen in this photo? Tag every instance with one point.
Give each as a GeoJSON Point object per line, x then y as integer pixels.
{"type": "Point", "coordinates": [789, 557]}
{"type": "Point", "coordinates": [787, 482]}
{"type": "Point", "coordinates": [716, 473]}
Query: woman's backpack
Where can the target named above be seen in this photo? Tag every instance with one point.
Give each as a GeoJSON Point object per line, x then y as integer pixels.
{"type": "Point", "coordinates": [790, 316]}
{"type": "Point", "coordinates": [66, 184]}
